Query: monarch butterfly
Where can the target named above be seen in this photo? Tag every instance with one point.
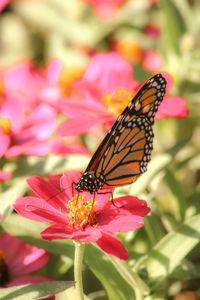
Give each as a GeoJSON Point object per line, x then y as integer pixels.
{"type": "Point", "coordinates": [125, 151]}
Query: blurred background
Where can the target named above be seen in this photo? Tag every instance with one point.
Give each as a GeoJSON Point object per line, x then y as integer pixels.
{"type": "Point", "coordinates": [153, 36]}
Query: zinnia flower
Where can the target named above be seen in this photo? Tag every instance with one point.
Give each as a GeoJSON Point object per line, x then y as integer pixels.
{"type": "Point", "coordinates": [105, 90]}
{"type": "Point", "coordinates": [80, 216]}
{"type": "Point", "coordinates": [19, 260]}
{"type": "Point", "coordinates": [28, 111]}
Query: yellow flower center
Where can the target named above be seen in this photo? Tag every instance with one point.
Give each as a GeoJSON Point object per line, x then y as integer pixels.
{"type": "Point", "coordinates": [116, 103]}
{"type": "Point", "coordinates": [67, 78]}
{"type": "Point", "coordinates": [82, 212]}
{"type": "Point", "coordinates": [5, 124]}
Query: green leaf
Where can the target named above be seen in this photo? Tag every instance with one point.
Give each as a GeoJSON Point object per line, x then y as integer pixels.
{"type": "Point", "coordinates": [50, 164]}
{"type": "Point", "coordinates": [113, 281]}
{"type": "Point", "coordinates": [178, 197]}
{"type": "Point", "coordinates": [174, 24]}
{"type": "Point", "coordinates": [171, 250]}
{"type": "Point", "coordinates": [34, 291]}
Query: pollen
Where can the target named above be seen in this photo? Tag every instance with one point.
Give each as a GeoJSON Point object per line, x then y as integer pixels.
{"type": "Point", "coordinates": [82, 212]}
{"type": "Point", "coordinates": [5, 124]}
{"type": "Point", "coordinates": [116, 103]}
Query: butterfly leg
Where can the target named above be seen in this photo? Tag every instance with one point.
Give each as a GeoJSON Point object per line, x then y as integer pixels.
{"type": "Point", "coordinates": [112, 200]}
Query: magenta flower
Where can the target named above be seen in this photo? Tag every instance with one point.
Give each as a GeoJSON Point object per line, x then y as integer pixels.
{"type": "Point", "coordinates": [104, 91]}
{"type": "Point", "coordinates": [79, 217]}
{"type": "Point", "coordinates": [19, 260]}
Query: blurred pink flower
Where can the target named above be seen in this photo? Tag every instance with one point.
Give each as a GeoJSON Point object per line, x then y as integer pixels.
{"type": "Point", "coordinates": [3, 4]}
{"type": "Point", "coordinates": [5, 176]}
{"type": "Point", "coordinates": [23, 133]}
{"type": "Point", "coordinates": [152, 60]}
{"type": "Point", "coordinates": [28, 111]}
{"type": "Point", "coordinates": [105, 9]}
{"type": "Point", "coordinates": [78, 216]}
{"type": "Point", "coordinates": [18, 260]}
{"type": "Point", "coordinates": [104, 91]}
{"type": "Point", "coordinates": [152, 31]}
{"type": "Point", "coordinates": [32, 86]}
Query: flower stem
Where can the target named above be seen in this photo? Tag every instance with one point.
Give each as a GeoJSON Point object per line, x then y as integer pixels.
{"type": "Point", "coordinates": [79, 251]}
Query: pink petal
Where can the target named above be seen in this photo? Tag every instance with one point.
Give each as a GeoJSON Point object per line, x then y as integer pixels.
{"type": "Point", "coordinates": [74, 107]}
{"type": "Point", "coordinates": [109, 71]}
{"type": "Point", "coordinates": [60, 147]}
{"type": "Point", "coordinates": [5, 176]}
{"type": "Point", "coordinates": [172, 107]}
{"type": "Point", "coordinates": [38, 126]}
{"type": "Point", "coordinates": [28, 259]}
{"type": "Point", "coordinates": [79, 125]}
{"type": "Point", "coordinates": [4, 143]}
{"type": "Point", "coordinates": [53, 71]}
{"type": "Point", "coordinates": [129, 215]}
{"type": "Point", "coordinates": [58, 231]}
{"type": "Point", "coordinates": [88, 235]}
{"type": "Point", "coordinates": [37, 149]}
{"type": "Point", "coordinates": [170, 81]}
{"type": "Point", "coordinates": [39, 210]}
{"type": "Point", "coordinates": [55, 180]}
{"type": "Point", "coordinates": [13, 109]}
{"type": "Point", "coordinates": [152, 60]}
{"type": "Point", "coordinates": [47, 192]}
{"type": "Point", "coordinates": [112, 245]}
{"type": "Point", "coordinates": [105, 9]}
{"type": "Point", "coordinates": [67, 182]}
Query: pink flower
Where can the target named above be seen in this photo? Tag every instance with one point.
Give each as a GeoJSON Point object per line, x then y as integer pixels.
{"type": "Point", "coordinates": [104, 91]}
{"type": "Point", "coordinates": [28, 111]}
{"type": "Point", "coordinates": [3, 4]}
{"type": "Point", "coordinates": [18, 260]}
{"type": "Point", "coordinates": [80, 217]}
{"type": "Point", "coordinates": [105, 9]}
{"type": "Point", "coordinates": [152, 31]}
{"type": "Point", "coordinates": [25, 133]}
{"type": "Point", "coordinates": [33, 86]}
{"type": "Point", "coordinates": [5, 176]}
{"type": "Point", "coordinates": [152, 60]}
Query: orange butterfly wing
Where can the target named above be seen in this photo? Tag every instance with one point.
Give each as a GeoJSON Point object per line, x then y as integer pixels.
{"type": "Point", "coordinates": [126, 149]}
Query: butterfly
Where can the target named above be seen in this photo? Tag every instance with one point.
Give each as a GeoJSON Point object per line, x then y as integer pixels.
{"type": "Point", "coordinates": [126, 150]}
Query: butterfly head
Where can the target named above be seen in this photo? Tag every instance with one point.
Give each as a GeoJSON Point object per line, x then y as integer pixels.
{"type": "Point", "coordinates": [89, 182]}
